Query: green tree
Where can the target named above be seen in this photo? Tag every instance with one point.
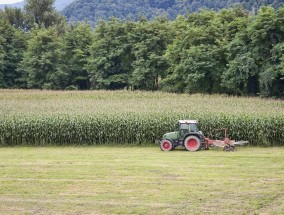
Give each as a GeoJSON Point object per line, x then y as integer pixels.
{"type": "Point", "coordinates": [75, 52]}
{"type": "Point", "coordinates": [15, 17]}
{"type": "Point", "coordinates": [241, 77]}
{"type": "Point", "coordinates": [267, 36]}
{"type": "Point", "coordinates": [149, 41]}
{"type": "Point", "coordinates": [42, 59]}
{"type": "Point", "coordinates": [272, 76]}
{"type": "Point", "coordinates": [14, 45]}
{"type": "Point", "coordinates": [242, 73]}
{"type": "Point", "coordinates": [42, 13]}
{"type": "Point", "coordinates": [110, 56]}
{"type": "Point", "coordinates": [255, 59]}
{"type": "Point", "coordinates": [194, 56]}
{"type": "Point", "coordinates": [198, 53]}
{"type": "Point", "coordinates": [2, 53]}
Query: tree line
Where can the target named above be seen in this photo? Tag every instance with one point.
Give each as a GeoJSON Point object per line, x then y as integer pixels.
{"type": "Point", "coordinates": [228, 51]}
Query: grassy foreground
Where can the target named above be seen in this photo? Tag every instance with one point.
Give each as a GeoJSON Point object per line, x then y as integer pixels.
{"type": "Point", "coordinates": [144, 180]}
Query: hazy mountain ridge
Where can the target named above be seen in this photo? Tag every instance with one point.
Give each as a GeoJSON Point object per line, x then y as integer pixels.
{"type": "Point", "coordinates": [95, 10]}
{"type": "Point", "coordinates": [17, 5]}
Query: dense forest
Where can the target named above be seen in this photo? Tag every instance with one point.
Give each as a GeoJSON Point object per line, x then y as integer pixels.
{"type": "Point", "coordinates": [229, 51]}
{"type": "Point", "coordinates": [96, 10]}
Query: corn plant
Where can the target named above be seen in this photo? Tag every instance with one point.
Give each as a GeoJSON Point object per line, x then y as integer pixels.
{"type": "Point", "coordinates": [41, 118]}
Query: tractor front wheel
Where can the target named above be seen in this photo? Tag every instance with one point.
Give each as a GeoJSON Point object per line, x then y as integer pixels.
{"type": "Point", "coordinates": [166, 145]}
{"type": "Point", "coordinates": [192, 143]}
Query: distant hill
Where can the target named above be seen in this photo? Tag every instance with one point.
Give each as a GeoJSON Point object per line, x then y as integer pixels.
{"type": "Point", "coordinates": [59, 4]}
{"type": "Point", "coordinates": [17, 5]}
{"type": "Point", "coordinates": [94, 10]}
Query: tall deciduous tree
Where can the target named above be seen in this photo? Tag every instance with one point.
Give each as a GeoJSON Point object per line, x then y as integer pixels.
{"type": "Point", "coordinates": [41, 60]}
{"type": "Point", "coordinates": [267, 37]}
{"type": "Point", "coordinates": [242, 73]}
{"type": "Point", "coordinates": [128, 54]}
{"type": "Point", "coordinates": [42, 13]}
{"type": "Point", "coordinates": [197, 55]}
{"type": "Point", "coordinates": [110, 56]}
{"type": "Point", "coordinates": [149, 41]}
{"type": "Point", "coordinates": [272, 76]}
{"type": "Point", "coordinates": [16, 18]}
{"type": "Point", "coordinates": [2, 84]}
{"type": "Point", "coordinates": [14, 45]}
{"type": "Point", "coordinates": [255, 56]}
{"type": "Point", "coordinates": [75, 52]}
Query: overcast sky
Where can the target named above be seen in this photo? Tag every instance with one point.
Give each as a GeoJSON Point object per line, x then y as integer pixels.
{"type": "Point", "coordinates": [9, 1]}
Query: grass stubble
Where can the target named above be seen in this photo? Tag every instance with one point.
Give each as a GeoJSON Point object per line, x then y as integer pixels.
{"type": "Point", "coordinates": [140, 180]}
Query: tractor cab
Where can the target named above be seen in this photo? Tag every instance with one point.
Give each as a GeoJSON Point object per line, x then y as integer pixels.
{"type": "Point", "coordinates": [186, 127]}
{"type": "Point", "coordinates": [187, 135]}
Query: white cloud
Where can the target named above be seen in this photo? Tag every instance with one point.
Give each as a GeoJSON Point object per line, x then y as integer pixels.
{"type": "Point", "coordinates": [9, 1]}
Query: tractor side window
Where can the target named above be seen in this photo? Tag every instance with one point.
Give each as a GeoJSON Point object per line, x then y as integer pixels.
{"type": "Point", "coordinates": [183, 129]}
{"type": "Point", "coordinates": [183, 126]}
{"type": "Point", "coordinates": [193, 128]}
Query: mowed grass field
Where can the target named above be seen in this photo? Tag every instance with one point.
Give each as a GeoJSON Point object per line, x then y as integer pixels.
{"type": "Point", "coordinates": [141, 180]}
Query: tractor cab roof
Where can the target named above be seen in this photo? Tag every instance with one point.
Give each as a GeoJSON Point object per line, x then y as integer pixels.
{"type": "Point", "coordinates": [187, 121]}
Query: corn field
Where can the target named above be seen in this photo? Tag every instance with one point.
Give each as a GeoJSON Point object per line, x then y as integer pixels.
{"type": "Point", "coordinates": [41, 118]}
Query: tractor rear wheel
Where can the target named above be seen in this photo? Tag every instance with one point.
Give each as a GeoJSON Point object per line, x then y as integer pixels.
{"type": "Point", "coordinates": [166, 145]}
{"type": "Point", "coordinates": [192, 143]}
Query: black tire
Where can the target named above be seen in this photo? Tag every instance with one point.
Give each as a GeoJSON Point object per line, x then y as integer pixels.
{"type": "Point", "coordinates": [192, 143]}
{"type": "Point", "coordinates": [229, 148]}
{"type": "Point", "coordinates": [166, 145]}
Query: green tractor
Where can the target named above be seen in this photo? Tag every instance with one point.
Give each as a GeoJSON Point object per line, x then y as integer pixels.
{"type": "Point", "coordinates": [188, 136]}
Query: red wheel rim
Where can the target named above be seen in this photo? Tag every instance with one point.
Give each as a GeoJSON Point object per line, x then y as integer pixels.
{"type": "Point", "coordinates": [192, 144]}
{"type": "Point", "coordinates": [166, 146]}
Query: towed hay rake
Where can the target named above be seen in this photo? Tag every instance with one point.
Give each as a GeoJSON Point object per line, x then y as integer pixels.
{"type": "Point", "coordinates": [192, 139]}
{"type": "Point", "coordinates": [227, 144]}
